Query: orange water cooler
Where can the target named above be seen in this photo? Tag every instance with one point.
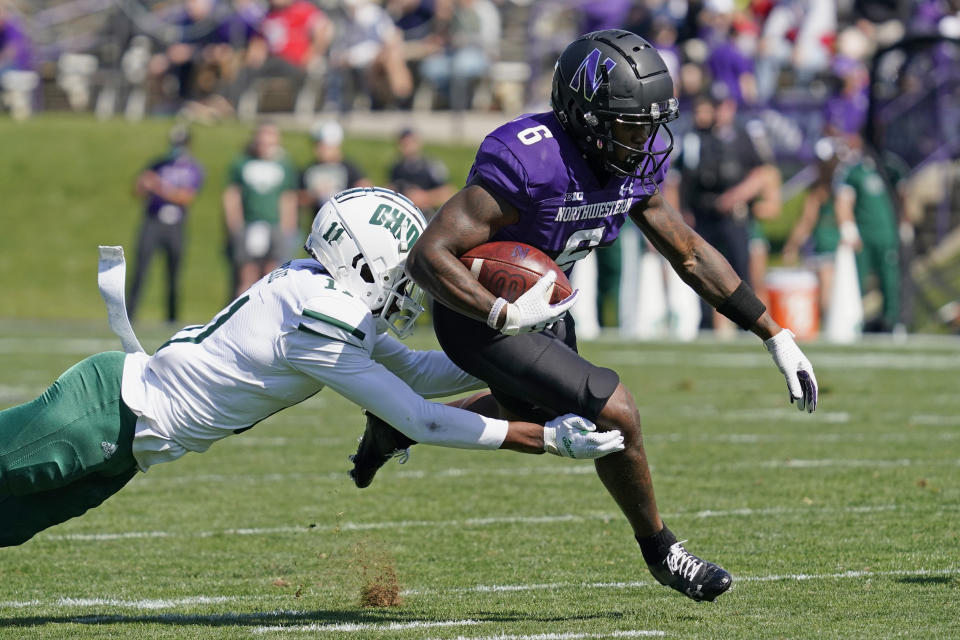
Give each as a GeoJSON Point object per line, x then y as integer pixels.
{"type": "Point", "coordinates": [795, 301]}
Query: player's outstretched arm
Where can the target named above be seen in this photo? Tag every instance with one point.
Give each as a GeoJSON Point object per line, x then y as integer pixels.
{"type": "Point", "coordinates": [711, 276]}
{"type": "Point", "coordinates": [568, 436]}
{"type": "Point", "coordinates": [695, 261]}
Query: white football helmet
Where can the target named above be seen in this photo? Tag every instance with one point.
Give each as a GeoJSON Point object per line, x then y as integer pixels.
{"type": "Point", "coordinates": [362, 237]}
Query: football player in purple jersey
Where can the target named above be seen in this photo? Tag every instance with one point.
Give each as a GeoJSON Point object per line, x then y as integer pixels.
{"type": "Point", "coordinates": [168, 186]}
{"type": "Point", "coordinates": [565, 181]}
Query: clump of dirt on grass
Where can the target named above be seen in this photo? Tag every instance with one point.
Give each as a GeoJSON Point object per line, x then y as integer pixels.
{"type": "Point", "coordinates": [380, 585]}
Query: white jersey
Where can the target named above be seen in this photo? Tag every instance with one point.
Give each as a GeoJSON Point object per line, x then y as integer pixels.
{"type": "Point", "coordinates": [288, 336]}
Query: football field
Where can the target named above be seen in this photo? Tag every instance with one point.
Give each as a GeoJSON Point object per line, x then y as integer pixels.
{"type": "Point", "coordinates": [843, 524]}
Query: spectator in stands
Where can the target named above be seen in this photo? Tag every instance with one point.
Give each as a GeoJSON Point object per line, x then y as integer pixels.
{"type": "Point", "coordinates": [610, 14]}
{"type": "Point", "coordinates": [664, 38]}
{"type": "Point", "coordinates": [292, 42]}
{"type": "Point", "coordinates": [260, 207]}
{"type": "Point", "coordinates": [422, 179]}
{"type": "Point", "coordinates": [367, 59]}
{"type": "Point", "coordinates": [414, 18]}
{"type": "Point", "coordinates": [472, 46]}
{"type": "Point", "coordinates": [423, 29]}
{"type": "Point", "coordinates": [721, 173]}
{"type": "Point", "coordinates": [205, 55]}
{"type": "Point", "coordinates": [797, 34]}
{"type": "Point", "coordinates": [330, 172]}
{"type": "Point", "coordinates": [168, 186]}
{"type": "Point", "coordinates": [15, 47]}
{"type": "Point", "coordinates": [845, 112]}
{"type": "Point", "coordinates": [732, 68]}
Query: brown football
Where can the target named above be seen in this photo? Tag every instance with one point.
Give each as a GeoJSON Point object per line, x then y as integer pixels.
{"type": "Point", "coordinates": [508, 269]}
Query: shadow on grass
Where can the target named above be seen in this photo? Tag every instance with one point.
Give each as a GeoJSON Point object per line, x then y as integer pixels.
{"type": "Point", "coordinates": [926, 579]}
{"type": "Point", "coordinates": [281, 618]}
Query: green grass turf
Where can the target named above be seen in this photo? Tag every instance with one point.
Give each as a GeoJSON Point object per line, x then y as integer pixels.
{"type": "Point", "coordinates": [843, 524]}
{"type": "Point", "coordinates": [66, 186]}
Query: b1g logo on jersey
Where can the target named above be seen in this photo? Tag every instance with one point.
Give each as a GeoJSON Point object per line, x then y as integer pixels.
{"type": "Point", "coordinates": [398, 223]}
{"type": "Point", "coordinates": [587, 77]}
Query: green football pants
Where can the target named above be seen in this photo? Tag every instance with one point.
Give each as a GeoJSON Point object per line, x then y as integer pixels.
{"type": "Point", "coordinates": [882, 259]}
{"type": "Point", "coordinates": [67, 451]}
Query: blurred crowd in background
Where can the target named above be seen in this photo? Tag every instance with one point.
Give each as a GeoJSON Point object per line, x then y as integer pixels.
{"type": "Point", "coordinates": [224, 57]}
{"type": "Point", "coordinates": [852, 106]}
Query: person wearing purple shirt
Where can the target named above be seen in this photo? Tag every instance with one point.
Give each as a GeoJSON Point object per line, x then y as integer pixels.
{"type": "Point", "coordinates": [731, 69]}
{"type": "Point", "coordinates": [209, 38]}
{"type": "Point", "coordinates": [168, 187]}
{"type": "Point", "coordinates": [610, 14]}
{"type": "Point", "coordinates": [564, 182]}
{"type": "Point", "coordinates": [845, 112]}
{"type": "Point", "coordinates": [15, 50]}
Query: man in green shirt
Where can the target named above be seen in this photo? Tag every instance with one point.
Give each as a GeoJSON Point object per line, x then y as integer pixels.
{"type": "Point", "coordinates": [863, 197]}
{"type": "Point", "coordinates": [260, 206]}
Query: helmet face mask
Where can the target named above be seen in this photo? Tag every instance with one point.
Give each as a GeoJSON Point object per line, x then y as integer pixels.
{"type": "Point", "coordinates": [362, 238]}
{"type": "Point", "coordinates": [632, 151]}
{"type": "Point", "coordinates": [403, 306]}
{"type": "Point", "coordinates": [613, 94]}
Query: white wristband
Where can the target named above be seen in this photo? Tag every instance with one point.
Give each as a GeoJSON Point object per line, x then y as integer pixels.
{"type": "Point", "coordinates": [494, 314]}
{"type": "Point", "coordinates": [849, 232]}
{"type": "Point", "coordinates": [550, 441]}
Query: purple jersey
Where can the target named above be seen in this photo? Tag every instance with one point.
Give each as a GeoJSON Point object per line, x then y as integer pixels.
{"type": "Point", "coordinates": [727, 63]}
{"type": "Point", "coordinates": [15, 50]}
{"type": "Point", "coordinates": [847, 113]}
{"type": "Point", "coordinates": [565, 211]}
{"type": "Point", "coordinates": [180, 170]}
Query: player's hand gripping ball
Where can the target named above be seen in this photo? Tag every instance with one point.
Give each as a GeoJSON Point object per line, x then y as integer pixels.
{"type": "Point", "coordinates": [508, 269]}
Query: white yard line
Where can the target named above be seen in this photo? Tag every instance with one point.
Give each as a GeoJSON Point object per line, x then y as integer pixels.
{"type": "Point", "coordinates": [77, 346]}
{"type": "Point", "coordinates": [804, 437]}
{"type": "Point", "coordinates": [571, 635]}
{"type": "Point", "coordinates": [794, 577]}
{"type": "Point", "coordinates": [936, 355]}
{"type": "Point", "coordinates": [155, 604]}
{"type": "Point", "coordinates": [351, 627]}
{"type": "Point", "coordinates": [142, 605]}
{"type": "Point", "coordinates": [935, 420]}
{"type": "Point", "coordinates": [558, 469]}
{"type": "Point", "coordinates": [402, 626]}
{"type": "Point", "coordinates": [822, 361]}
{"type": "Point", "coordinates": [11, 391]}
{"type": "Point", "coordinates": [457, 524]}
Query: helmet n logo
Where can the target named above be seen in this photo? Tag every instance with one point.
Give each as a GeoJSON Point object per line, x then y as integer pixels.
{"type": "Point", "coordinates": [588, 76]}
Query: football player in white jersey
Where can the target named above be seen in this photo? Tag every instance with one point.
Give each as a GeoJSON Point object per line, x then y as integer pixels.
{"type": "Point", "coordinates": [312, 323]}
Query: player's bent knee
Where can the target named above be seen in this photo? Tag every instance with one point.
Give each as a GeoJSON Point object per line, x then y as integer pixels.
{"type": "Point", "coordinates": [601, 386]}
{"type": "Point", "coordinates": [621, 413]}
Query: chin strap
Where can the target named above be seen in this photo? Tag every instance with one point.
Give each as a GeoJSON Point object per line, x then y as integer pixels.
{"type": "Point", "coordinates": [111, 276]}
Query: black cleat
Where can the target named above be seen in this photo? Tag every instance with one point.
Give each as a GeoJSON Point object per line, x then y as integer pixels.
{"type": "Point", "coordinates": [695, 578]}
{"type": "Point", "coordinates": [379, 443]}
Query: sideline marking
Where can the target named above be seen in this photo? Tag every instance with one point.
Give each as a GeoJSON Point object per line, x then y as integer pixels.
{"type": "Point", "coordinates": [153, 604]}
{"type": "Point", "coordinates": [796, 577]}
{"type": "Point", "coordinates": [822, 361]}
{"type": "Point", "coordinates": [570, 635]}
{"type": "Point", "coordinates": [352, 626]}
{"type": "Point", "coordinates": [467, 522]}
{"type": "Point", "coordinates": [553, 470]}
{"type": "Point", "coordinates": [145, 604]}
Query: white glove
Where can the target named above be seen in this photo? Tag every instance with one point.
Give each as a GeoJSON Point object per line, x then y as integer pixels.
{"type": "Point", "coordinates": [796, 368]}
{"type": "Point", "coordinates": [532, 311]}
{"type": "Point", "coordinates": [571, 436]}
